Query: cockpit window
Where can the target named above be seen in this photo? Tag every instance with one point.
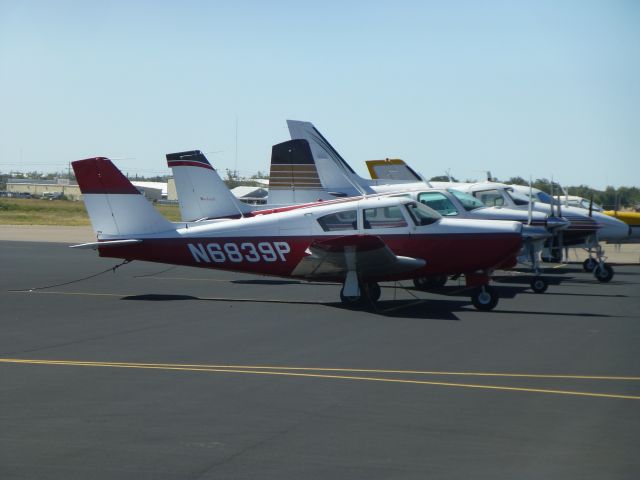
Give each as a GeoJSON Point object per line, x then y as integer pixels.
{"type": "Point", "coordinates": [518, 198]}
{"type": "Point", "coordinates": [584, 203]}
{"type": "Point", "coordinates": [339, 221]}
{"type": "Point", "coordinates": [468, 201]}
{"type": "Point", "coordinates": [421, 214]}
{"type": "Point", "coordinates": [439, 202]}
{"type": "Point", "coordinates": [491, 198]}
{"type": "Point", "coordinates": [384, 217]}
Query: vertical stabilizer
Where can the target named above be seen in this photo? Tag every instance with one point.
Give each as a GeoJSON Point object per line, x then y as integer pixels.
{"type": "Point", "coordinates": [334, 172]}
{"type": "Point", "coordinates": [394, 170]}
{"type": "Point", "coordinates": [115, 206]}
{"type": "Point", "coordinates": [201, 191]}
{"type": "Point", "coordinates": [293, 177]}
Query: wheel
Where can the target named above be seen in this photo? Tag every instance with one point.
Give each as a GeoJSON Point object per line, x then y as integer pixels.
{"type": "Point", "coordinates": [484, 298]}
{"type": "Point", "coordinates": [589, 264]}
{"type": "Point", "coordinates": [373, 291]}
{"type": "Point", "coordinates": [603, 272]}
{"type": "Point", "coordinates": [351, 301]}
{"type": "Point", "coordinates": [430, 283]}
{"type": "Point", "coordinates": [539, 285]}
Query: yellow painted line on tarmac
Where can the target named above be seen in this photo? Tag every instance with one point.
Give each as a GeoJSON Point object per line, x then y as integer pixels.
{"type": "Point", "coordinates": [88, 294]}
{"type": "Point", "coordinates": [188, 279]}
{"type": "Point", "coordinates": [281, 371]}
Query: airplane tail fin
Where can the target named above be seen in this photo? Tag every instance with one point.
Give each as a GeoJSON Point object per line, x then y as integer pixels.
{"type": "Point", "coordinates": [335, 173]}
{"type": "Point", "coordinates": [293, 177]}
{"type": "Point", "coordinates": [393, 169]}
{"type": "Point", "coordinates": [201, 191]}
{"type": "Point", "coordinates": [115, 206]}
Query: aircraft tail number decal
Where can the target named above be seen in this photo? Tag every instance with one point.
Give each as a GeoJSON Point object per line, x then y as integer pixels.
{"type": "Point", "coordinates": [239, 252]}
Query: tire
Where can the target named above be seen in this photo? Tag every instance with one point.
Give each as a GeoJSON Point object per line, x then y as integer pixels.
{"type": "Point", "coordinates": [539, 285]}
{"type": "Point", "coordinates": [373, 291]}
{"type": "Point", "coordinates": [350, 301]}
{"type": "Point", "coordinates": [589, 264]}
{"type": "Point", "coordinates": [603, 273]}
{"type": "Point", "coordinates": [484, 298]}
{"type": "Point", "coordinates": [434, 282]}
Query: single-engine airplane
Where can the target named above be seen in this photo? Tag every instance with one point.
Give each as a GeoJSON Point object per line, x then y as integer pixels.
{"type": "Point", "coordinates": [357, 242]}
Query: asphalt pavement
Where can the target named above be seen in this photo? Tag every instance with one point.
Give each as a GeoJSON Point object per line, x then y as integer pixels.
{"type": "Point", "coordinates": [160, 372]}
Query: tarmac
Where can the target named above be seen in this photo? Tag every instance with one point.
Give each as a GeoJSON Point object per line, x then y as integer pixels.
{"type": "Point", "coordinates": [160, 372]}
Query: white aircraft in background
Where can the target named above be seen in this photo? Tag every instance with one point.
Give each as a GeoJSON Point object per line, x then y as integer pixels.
{"type": "Point", "coordinates": [584, 231]}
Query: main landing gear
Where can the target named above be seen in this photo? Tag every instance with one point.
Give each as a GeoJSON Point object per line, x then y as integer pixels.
{"type": "Point", "coordinates": [369, 293]}
{"type": "Point", "coordinates": [601, 270]}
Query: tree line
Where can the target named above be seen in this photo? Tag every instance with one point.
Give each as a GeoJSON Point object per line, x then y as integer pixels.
{"type": "Point", "coordinates": [610, 198]}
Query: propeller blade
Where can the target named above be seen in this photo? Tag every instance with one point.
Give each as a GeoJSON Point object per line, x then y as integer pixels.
{"type": "Point", "coordinates": [530, 202]}
{"type": "Point", "coordinates": [551, 206]}
{"type": "Point", "coordinates": [591, 206]}
{"type": "Point", "coordinates": [559, 207]}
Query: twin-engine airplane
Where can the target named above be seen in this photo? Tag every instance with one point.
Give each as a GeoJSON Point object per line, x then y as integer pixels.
{"type": "Point", "coordinates": [357, 241]}
{"type": "Point", "coordinates": [584, 230]}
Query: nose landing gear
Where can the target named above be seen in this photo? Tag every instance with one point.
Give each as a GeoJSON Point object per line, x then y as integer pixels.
{"type": "Point", "coordinates": [484, 298]}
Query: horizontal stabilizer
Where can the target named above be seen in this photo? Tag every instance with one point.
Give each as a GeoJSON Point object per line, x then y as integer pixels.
{"type": "Point", "coordinates": [106, 243]}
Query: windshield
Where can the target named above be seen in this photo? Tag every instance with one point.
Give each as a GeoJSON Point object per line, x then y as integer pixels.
{"type": "Point", "coordinates": [587, 203]}
{"type": "Point", "coordinates": [518, 198]}
{"type": "Point", "coordinates": [421, 214]}
{"type": "Point", "coordinates": [468, 202]}
{"type": "Point", "coordinates": [439, 202]}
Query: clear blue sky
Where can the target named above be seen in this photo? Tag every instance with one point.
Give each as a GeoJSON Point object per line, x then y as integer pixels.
{"type": "Point", "coordinates": [517, 87]}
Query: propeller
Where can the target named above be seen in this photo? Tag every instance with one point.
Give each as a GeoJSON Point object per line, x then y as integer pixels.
{"type": "Point", "coordinates": [591, 206]}
{"type": "Point", "coordinates": [561, 232]}
{"type": "Point", "coordinates": [530, 202]}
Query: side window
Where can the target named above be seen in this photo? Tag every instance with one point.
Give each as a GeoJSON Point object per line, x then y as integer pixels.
{"type": "Point", "coordinates": [384, 217]}
{"type": "Point", "coordinates": [421, 214]}
{"type": "Point", "coordinates": [339, 221]}
{"type": "Point", "coordinates": [439, 202]}
{"type": "Point", "coordinates": [491, 198]}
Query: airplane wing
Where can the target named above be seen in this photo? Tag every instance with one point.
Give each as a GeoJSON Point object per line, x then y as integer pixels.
{"type": "Point", "coordinates": [368, 255]}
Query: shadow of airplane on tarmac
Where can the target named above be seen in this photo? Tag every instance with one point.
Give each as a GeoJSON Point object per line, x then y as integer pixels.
{"type": "Point", "coordinates": [434, 308]}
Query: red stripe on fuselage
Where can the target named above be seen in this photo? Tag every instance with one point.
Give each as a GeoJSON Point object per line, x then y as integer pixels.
{"type": "Point", "coordinates": [444, 254]}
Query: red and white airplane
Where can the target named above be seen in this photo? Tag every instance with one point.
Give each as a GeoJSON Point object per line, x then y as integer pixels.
{"type": "Point", "coordinates": [356, 241]}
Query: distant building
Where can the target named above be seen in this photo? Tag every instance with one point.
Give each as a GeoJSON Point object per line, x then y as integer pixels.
{"type": "Point", "coordinates": [38, 188]}
{"type": "Point", "coordinates": [52, 188]}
